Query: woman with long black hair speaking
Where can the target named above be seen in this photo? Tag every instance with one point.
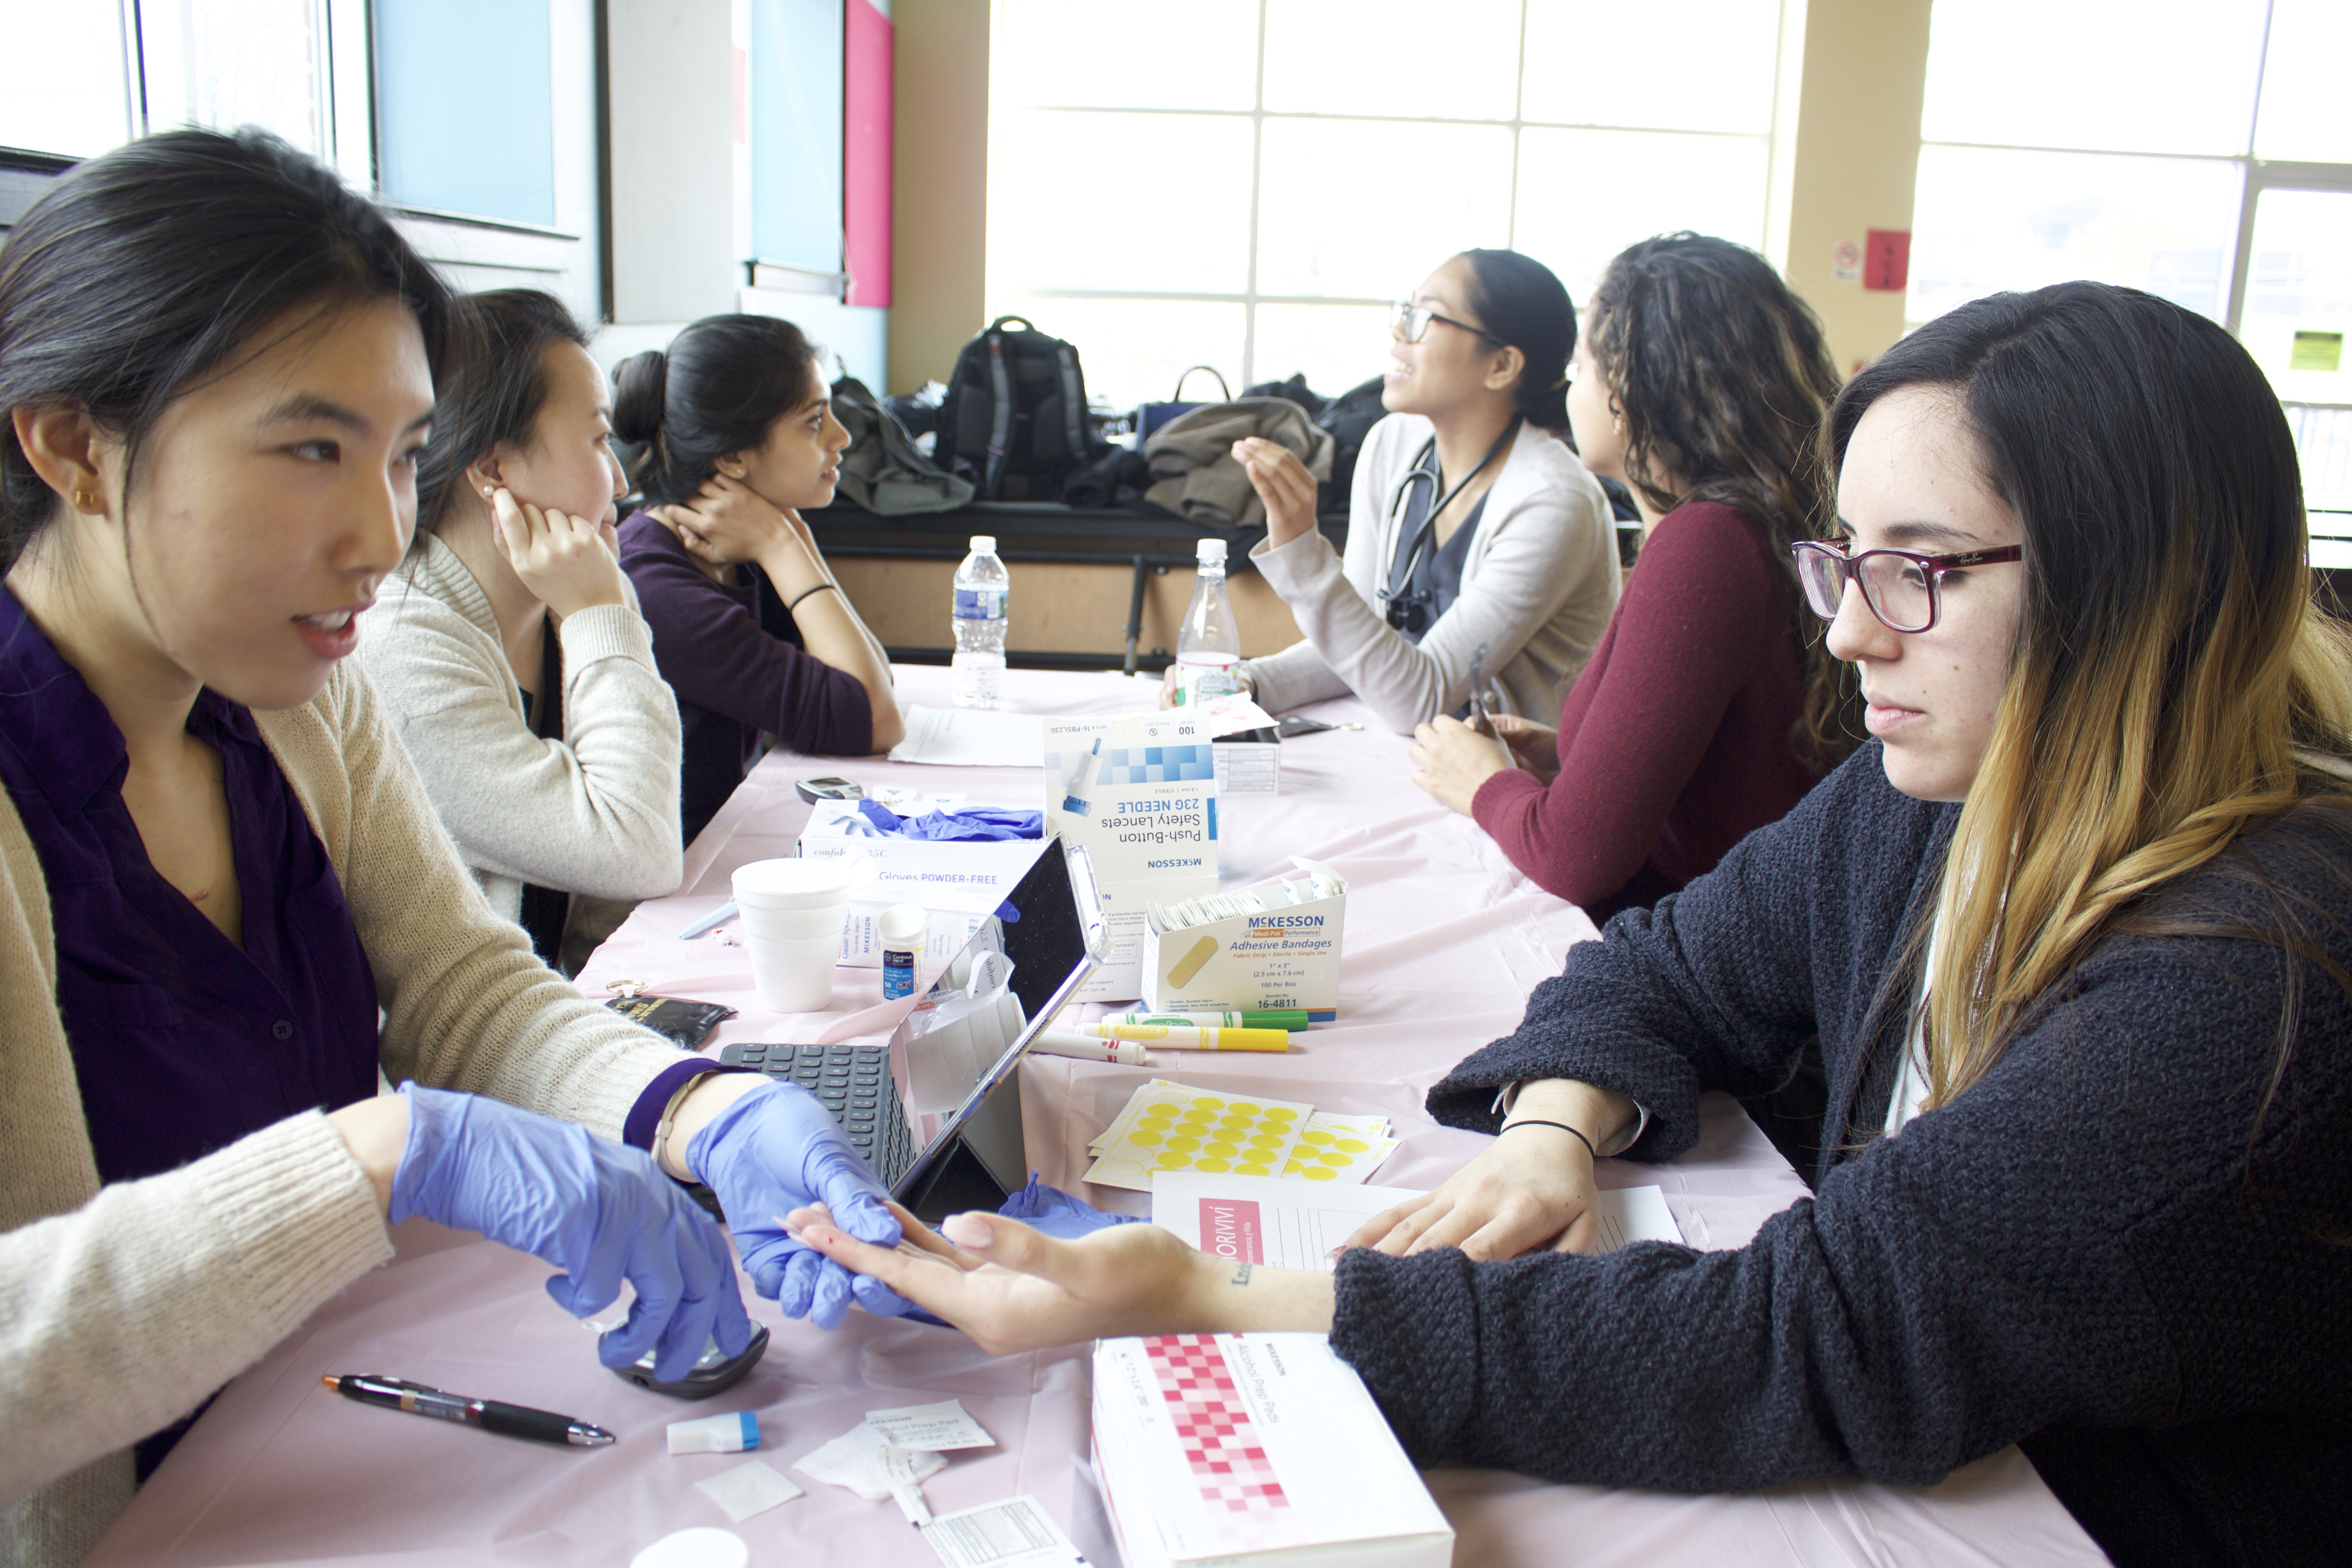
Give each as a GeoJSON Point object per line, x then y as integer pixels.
{"type": "Point", "coordinates": [1479, 550]}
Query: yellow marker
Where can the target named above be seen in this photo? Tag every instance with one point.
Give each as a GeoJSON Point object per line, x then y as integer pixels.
{"type": "Point", "coordinates": [1181, 972]}
{"type": "Point", "coordinates": [1179, 1037]}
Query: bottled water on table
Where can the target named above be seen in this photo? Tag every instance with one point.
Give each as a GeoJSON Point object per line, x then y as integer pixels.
{"type": "Point", "coordinates": [1209, 643]}
{"type": "Point", "coordinates": [982, 591]}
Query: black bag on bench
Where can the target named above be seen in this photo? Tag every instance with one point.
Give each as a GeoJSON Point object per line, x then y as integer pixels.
{"type": "Point", "coordinates": [1014, 418]}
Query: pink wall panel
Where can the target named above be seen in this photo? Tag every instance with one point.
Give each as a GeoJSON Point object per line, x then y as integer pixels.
{"type": "Point", "coordinates": [866, 103]}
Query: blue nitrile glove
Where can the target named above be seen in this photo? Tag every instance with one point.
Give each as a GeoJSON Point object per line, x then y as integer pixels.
{"type": "Point", "coordinates": [1058, 1214]}
{"type": "Point", "coordinates": [599, 1211]}
{"type": "Point", "coordinates": [776, 1150]}
{"type": "Point", "coordinates": [973, 824]}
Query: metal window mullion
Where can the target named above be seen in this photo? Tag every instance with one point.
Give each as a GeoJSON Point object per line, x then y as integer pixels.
{"type": "Point", "coordinates": [1258, 196]}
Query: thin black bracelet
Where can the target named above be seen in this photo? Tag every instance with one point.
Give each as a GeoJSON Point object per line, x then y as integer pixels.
{"type": "Point", "coordinates": [820, 588]}
{"type": "Point", "coordinates": [1564, 1127]}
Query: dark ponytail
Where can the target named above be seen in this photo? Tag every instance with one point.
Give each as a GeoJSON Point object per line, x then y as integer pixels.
{"type": "Point", "coordinates": [492, 390]}
{"type": "Point", "coordinates": [139, 274]}
{"type": "Point", "coordinates": [724, 382]}
{"type": "Point", "coordinates": [1523, 303]}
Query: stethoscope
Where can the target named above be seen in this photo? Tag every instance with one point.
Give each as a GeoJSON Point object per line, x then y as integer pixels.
{"type": "Point", "coordinates": [1403, 606]}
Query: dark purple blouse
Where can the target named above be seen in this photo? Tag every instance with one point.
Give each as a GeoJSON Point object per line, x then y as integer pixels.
{"type": "Point", "coordinates": [183, 1042]}
{"type": "Point", "coordinates": [734, 658]}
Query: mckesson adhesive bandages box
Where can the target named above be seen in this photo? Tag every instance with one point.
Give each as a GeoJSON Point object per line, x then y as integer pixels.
{"type": "Point", "coordinates": [1258, 1449]}
{"type": "Point", "coordinates": [1203, 954]}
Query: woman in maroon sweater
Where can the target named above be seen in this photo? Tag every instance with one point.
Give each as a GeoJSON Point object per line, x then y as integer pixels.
{"type": "Point", "coordinates": [749, 627]}
{"type": "Point", "coordinates": [1711, 705]}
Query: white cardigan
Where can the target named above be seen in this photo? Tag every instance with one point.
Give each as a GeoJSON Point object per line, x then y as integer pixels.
{"type": "Point", "coordinates": [595, 812]}
{"type": "Point", "coordinates": [1538, 587]}
{"type": "Point", "coordinates": [121, 1307]}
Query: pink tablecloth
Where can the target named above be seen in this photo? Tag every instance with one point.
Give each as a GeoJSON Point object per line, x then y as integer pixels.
{"type": "Point", "coordinates": [1444, 941]}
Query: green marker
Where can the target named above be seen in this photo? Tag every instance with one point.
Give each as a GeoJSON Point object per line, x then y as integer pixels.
{"type": "Point", "coordinates": [1291, 1020]}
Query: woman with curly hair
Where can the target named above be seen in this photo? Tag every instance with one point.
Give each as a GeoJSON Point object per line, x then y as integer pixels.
{"type": "Point", "coordinates": [1710, 706]}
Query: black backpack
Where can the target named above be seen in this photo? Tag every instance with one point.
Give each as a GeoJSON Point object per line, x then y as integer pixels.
{"type": "Point", "coordinates": [1014, 418]}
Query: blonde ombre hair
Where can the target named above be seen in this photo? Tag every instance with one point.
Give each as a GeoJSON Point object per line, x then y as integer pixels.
{"type": "Point", "coordinates": [2171, 687]}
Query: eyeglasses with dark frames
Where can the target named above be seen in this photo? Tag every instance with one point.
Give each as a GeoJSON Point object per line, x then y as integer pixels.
{"type": "Point", "coordinates": [1412, 321]}
{"type": "Point", "coordinates": [1901, 587]}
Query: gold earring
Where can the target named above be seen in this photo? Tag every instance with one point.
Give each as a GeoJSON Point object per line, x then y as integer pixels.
{"type": "Point", "coordinates": [85, 498]}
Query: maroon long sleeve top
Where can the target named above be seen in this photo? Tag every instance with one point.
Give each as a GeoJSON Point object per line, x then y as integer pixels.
{"type": "Point", "coordinates": [1673, 743]}
{"type": "Point", "coordinates": [734, 656]}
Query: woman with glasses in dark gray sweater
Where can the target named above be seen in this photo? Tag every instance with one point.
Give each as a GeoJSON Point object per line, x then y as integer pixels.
{"type": "Point", "coordinates": [2075, 934]}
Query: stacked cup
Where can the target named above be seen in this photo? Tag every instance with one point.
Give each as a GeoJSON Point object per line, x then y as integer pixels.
{"type": "Point", "coordinates": [790, 914]}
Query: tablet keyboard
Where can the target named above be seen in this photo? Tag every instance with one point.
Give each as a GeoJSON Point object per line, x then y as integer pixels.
{"type": "Point", "coordinates": [854, 1083]}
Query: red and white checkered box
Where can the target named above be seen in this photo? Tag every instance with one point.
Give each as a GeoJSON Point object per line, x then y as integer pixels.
{"type": "Point", "coordinates": [1257, 1448]}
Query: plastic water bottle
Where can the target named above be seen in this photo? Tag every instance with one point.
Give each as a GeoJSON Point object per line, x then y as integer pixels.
{"type": "Point", "coordinates": [982, 591]}
{"type": "Point", "coordinates": [1209, 644]}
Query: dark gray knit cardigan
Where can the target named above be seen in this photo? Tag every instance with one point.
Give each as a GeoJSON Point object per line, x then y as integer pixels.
{"type": "Point", "coordinates": [2109, 1248]}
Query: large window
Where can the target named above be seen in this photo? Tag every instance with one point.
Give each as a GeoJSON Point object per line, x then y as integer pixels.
{"type": "Point", "coordinates": [487, 152]}
{"type": "Point", "coordinates": [1246, 183]}
{"type": "Point", "coordinates": [2202, 151]}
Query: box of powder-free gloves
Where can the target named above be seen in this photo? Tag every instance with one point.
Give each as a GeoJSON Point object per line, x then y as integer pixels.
{"type": "Point", "coordinates": [1275, 946]}
{"type": "Point", "coordinates": [1259, 1449]}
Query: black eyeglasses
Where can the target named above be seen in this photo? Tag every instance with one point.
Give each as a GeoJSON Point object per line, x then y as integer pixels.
{"type": "Point", "coordinates": [1412, 321]}
{"type": "Point", "coordinates": [1901, 587]}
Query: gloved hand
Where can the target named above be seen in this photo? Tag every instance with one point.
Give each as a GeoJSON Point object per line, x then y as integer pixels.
{"type": "Point", "coordinates": [598, 1210]}
{"type": "Point", "coordinates": [776, 1150]}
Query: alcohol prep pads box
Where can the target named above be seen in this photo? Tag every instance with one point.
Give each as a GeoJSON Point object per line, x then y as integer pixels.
{"type": "Point", "coordinates": [1284, 955]}
{"type": "Point", "coordinates": [1139, 793]}
{"type": "Point", "coordinates": [1255, 1450]}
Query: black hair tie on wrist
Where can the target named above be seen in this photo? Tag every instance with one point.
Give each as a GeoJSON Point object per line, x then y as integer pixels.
{"type": "Point", "coordinates": [820, 588]}
{"type": "Point", "coordinates": [1564, 1127]}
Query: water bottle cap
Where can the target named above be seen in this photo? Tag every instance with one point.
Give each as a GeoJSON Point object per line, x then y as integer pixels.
{"type": "Point", "coordinates": [983, 544]}
{"type": "Point", "coordinates": [1211, 550]}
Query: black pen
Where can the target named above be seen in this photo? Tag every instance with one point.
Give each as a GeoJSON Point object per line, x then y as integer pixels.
{"type": "Point", "coordinates": [489, 1415]}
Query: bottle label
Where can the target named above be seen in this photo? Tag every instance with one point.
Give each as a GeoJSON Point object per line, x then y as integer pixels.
{"type": "Point", "coordinates": [1202, 680]}
{"type": "Point", "coordinates": [898, 974]}
{"type": "Point", "coordinates": [980, 603]}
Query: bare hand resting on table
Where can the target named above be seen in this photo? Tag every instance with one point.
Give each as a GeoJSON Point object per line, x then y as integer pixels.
{"type": "Point", "coordinates": [1532, 1187]}
{"type": "Point", "coordinates": [1451, 760]}
{"type": "Point", "coordinates": [1012, 1288]}
{"type": "Point", "coordinates": [1283, 483]}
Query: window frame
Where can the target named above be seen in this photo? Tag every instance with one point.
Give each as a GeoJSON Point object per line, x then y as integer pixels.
{"type": "Point", "coordinates": [1002, 298]}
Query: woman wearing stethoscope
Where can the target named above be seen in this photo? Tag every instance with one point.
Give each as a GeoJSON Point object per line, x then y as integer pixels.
{"type": "Point", "coordinates": [1472, 526]}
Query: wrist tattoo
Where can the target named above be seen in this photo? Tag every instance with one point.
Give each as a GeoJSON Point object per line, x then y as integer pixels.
{"type": "Point", "coordinates": [1240, 1275]}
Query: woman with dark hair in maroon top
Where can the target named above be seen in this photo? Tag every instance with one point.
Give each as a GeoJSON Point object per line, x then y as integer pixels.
{"type": "Point", "coordinates": [749, 627]}
{"type": "Point", "coordinates": [1711, 705]}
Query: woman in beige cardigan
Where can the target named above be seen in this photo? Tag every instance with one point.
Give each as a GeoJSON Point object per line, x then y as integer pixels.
{"type": "Point", "coordinates": [216, 865]}
{"type": "Point", "coordinates": [508, 648]}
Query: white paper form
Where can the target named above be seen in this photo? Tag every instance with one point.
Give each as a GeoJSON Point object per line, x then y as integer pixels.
{"type": "Point", "coordinates": [1286, 1224]}
{"type": "Point", "coordinates": [971, 737]}
{"type": "Point", "coordinates": [1016, 1533]}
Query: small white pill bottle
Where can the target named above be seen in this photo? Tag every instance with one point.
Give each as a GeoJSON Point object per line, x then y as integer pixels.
{"type": "Point", "coordinates": [902, 929]}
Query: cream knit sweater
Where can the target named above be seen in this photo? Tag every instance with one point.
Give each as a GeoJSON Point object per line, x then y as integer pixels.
{"type": "Point", "coordinates": [1538, 589]}
{"type": "Point", "coordinates": [595, 812]}
{"type": "Point", "coordinates": [121, 1308]}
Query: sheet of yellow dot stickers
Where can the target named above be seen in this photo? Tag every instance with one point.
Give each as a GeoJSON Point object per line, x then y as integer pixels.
{"type": "Point", "coordinates": [1339, 1148]}
{"type": "Point", "coordinates": [1168, 1126]}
